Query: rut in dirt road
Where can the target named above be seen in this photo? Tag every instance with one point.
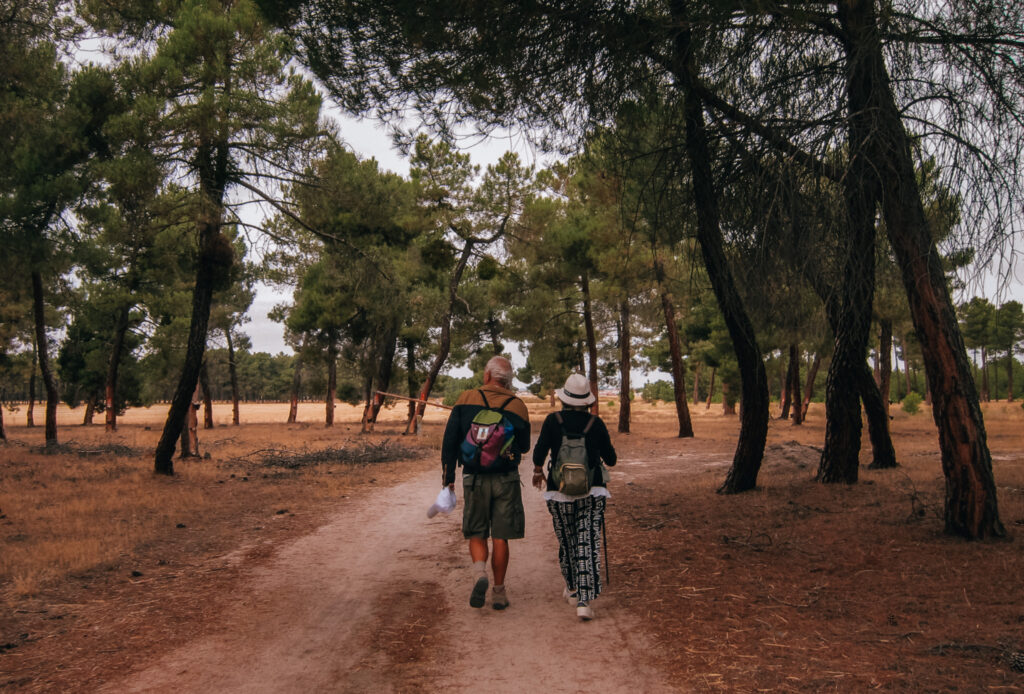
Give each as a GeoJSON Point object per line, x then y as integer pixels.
{"type": "Point", "coordinates": [376, 600]}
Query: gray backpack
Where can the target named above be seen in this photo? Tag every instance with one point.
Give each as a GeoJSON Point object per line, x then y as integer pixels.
{"type": "Point", "coordinates": [571, 470]}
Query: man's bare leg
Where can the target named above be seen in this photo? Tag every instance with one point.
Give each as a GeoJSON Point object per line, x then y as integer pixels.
{"type": "Point", "coordinates": [478, 553]}
{"type": "Point", "coordinates": [499, 561]}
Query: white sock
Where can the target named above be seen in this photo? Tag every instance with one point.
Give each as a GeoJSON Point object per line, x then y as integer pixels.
{"type": "Point", "coordinates": [479, 568]}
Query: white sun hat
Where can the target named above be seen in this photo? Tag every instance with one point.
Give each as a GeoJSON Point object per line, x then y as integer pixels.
{"type": "Point", "coordinates": [576, 391]}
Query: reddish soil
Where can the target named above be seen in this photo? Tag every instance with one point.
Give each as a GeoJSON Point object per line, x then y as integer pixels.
{"type": "Point", "coordinates": [795, 586]}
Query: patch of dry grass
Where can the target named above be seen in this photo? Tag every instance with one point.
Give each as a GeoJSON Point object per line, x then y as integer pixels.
{"type": "Point", "coordinates": [93, 501]}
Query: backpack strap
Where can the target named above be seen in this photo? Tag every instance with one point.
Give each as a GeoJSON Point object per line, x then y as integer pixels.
{"type": "Point", "coordinates": [501, 407]}
{"type": "Point", "coordinates": [561, 423]}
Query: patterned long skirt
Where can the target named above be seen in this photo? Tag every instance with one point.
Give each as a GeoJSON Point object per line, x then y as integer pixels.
{"type": "Point", "coordinates": [578, 525]}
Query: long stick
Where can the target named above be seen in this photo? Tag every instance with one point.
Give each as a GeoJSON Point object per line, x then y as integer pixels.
{"type": "Point", "coordinates": [404, 397]}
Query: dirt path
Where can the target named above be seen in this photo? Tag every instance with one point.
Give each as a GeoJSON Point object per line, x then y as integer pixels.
{"type": "Point", "coordinates": [377, 600]}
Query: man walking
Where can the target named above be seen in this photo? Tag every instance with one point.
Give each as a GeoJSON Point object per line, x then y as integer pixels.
{"type": "Point", "coordinates": [490, 480]}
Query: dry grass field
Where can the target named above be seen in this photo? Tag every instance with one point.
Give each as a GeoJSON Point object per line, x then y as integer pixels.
{"type": "Point", "coordinates": [793, 587]}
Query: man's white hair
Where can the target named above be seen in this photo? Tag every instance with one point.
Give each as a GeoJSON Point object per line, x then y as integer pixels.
{"type": "Point", "coordinates": [500, 370]}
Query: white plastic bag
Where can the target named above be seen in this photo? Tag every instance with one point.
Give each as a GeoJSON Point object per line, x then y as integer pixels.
{"type": "Point", "coordinates": [445, 502]}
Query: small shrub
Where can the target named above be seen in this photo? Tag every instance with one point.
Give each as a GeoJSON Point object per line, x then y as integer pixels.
{"type": "Point", "coordinates": [658, 390]}
{"type": "Point", "coordinates": [912, 403]}
{"type": "Point", "coordinates": [611, 404]}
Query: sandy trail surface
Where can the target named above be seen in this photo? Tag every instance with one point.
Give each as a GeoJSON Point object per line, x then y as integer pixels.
{"type": "Point", "coordinates": [377, 600]}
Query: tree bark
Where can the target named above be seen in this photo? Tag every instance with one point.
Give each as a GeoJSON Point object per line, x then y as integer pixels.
{"type": "Point", "coordinates": [711, 388]}
{"type": "Point", "coordinates": [233, 375]}
{"type": "Point", "coordinates": [410, 374]}
{"type": "Point", "coordinates": [812, 376]}
{"type": "Point", "coordinates": [332, 384]}
{"type": "Point", "coordinates": [49, 380]}
{"type": "Point", "coordinates": [790, 395]}
{"type": "Point", "coordinates": [113, 367]}
{"type": "Point", "coordinates": [971, 509]}
{"type": "Point", "coordinates": [754, 402]}
{"type": "Point", "coordinates": [90, 410]}
{"type": "Point", "coordinates": [445, 342]}
{"type": "Point", "coordinates": [588, 324]}
{"type": "Point", "coordinates": [204, 385]}
{"type": "Point", "coordinates": [885, 362]}
{"type": "Point", "coordinates": [625, 364]}
{"type": "Point", "coordinates": [385, 367]}
{"type": "Point", "coordinates": [794, 384]}
{"type": "Point", "coordinates": [30, 420]}
{"type": "Point", "coordinates": [675, 353]}
{"type": "Point", "coordinates": [293, 402]}
{"type": "Point", "coordinates": [728, 408]}
{"type": "Point", "coordinates": [212, 165]}
{"type": "Point", "coordinates": [696, 382]}
{"type": "Point", "coordinates": [840, 459]}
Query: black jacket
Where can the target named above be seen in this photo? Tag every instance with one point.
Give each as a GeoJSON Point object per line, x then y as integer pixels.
{"type": "Point", "coordinates": [598, 442]}
{"type": "Point", "coordinates": [469, 403]}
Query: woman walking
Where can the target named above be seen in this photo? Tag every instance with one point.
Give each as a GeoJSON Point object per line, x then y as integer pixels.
{"type": "Point", "coordinates": [578, 518]}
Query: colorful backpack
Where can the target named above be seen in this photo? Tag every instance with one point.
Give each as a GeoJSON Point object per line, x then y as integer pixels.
{"type": "Point", "coordinates": [490, 436]}
{"type": "Point", "coordinates": [570, 471]}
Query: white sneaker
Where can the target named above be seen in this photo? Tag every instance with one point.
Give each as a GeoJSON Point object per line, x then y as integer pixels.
{"type": "Point", "coordinates": [584, 611]}
{"type": "Point", "coordinates": [569, 596]}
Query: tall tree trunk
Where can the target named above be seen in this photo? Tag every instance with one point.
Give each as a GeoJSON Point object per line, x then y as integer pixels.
{"type": "Point", "coordinates": [861, 192]}
{"type": "Point", "coordinates": [783, 387]}
{"type": "Point", "coordinates": [385, 368]}
{"type": "Point", "coordinates": [410, 374]}
{"type": "Point", "coordinates": [788, 393]}
{"type": "Point", "coordinates": [332, 384]}
{"type": "Point", "coordinates": [863, 378]}
{"type": "Point", "coordinates": [293, 401]}
{"type": "Point", "coordinates": [213, 173]}
{"type": "Point", "coordinates": [812, 376]}
{"type": "Point", "coordinates": [696, 382]}
{"type": "Point", "coordinates": [675, 353]}
{"type": "Point", "coordinates": [368, 398]}
{"type": "Point", "coordinates": [113, 367]}
{"type": "Point", "coordinates": [728, 407]}
{"type": "Point", "coordinates": [90, 410]}
{"type": "Point", "coordinates": [233, 375]}
{"type": "Point", "coordinates": [885, 363]}
{"type": "Point", "coordinates": [588, 324]}
{"type": "Point", "coordinates": [445, 341]}
{"type": "Point", "coordinates": [794, 384]}
{"type": "Point", "coordinates": [754, 403]}
{"type": "Point", "coordinates": [190, 432]}
{"type": "Point", "coordinates": [711, 388]}
{"type": "Point", "coordinates": [971, 509]}
{"type": "Point", "coordinates": [204, 386]}
{"type": "Point", "coordinates": [3, 428]}
{"type": "Point", "coordinates": [625, 365]}
{"type": "Point", "coordinates": [49, 380]}
{"type": "Point", "coordinates": [30, 420]}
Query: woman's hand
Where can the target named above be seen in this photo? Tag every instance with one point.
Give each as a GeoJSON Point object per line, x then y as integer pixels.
{"type": "Point", "coordinates": [539, 481]}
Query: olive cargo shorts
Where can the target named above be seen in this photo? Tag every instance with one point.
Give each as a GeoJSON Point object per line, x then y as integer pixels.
{"type": "Point", "coordinates": [493, 506]}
